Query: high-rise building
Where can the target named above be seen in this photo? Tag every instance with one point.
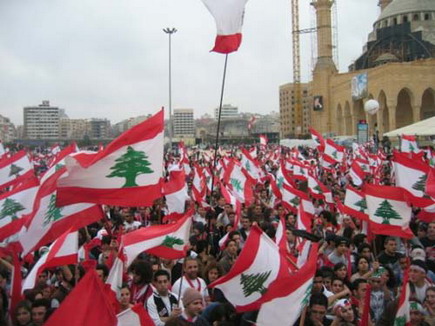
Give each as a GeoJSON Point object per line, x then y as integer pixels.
{"type": "Point", "coordinates": [287, 108]}
{"type": "Point", "coordinates": [41, 122]}
{"type": "Point", "coordinates": [228, 112]}
{"type": "Point", "coordinates": [99, 128]}
{"type": "Point", "coordinates": [7, 129]}
{"type": "Point", "coordinates": [183, 122]}
{"type": "Point", "coordinates": [74, 128]}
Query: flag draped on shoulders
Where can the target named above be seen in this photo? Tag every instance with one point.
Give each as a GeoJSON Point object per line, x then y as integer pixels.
{"type": "Point", "coordinates": [128, 172]}
{"type": "Point", "coordinates": [388, 211]}
{"type": "Point", "coordinates": [228, 15]}
{"type": "Point", "coordinates": [257, 267]}
{"type": "Point", "coordinates": [166, 241]}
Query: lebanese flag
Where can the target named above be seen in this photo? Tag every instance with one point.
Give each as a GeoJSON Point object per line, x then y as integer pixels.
{"type": "Point", "coordinates": [263, 140]}
{"type": "Point", "coordinates": [184, 160]}
{"type": "Point", "coordinates": [430, 183]}
{"type": "Point", "coordinates": [237, 206]}
{"type": "Point", "coordinates": [199, 186]}
{"type": "Point", "coordinates": [259, 265]}
{"type": "Point", "coordinates": [116, 274]}
{"type": "Point", "coordinates": [134, 316]}
{"type": "Point", "coordinates": [409, 144]}
{"type": "Point", "coordinates": [63, 251]}
{"type": "Point", "coordinates": [292, 292]}
{"type": "Point", "coordinates": [47, 221]}
{"type": "Point", "coordinates": [303, 221]}
{"type": "Point", "coordinates": [240, 182]}
{"type": "Point", "coordinates": [59, 161]}
{"type": "Point", "coordinates": [15, 169]}
{"type": "Point", "coordinates": [281, 236]}
{"type": "Point", "coordinates": [334, 151]}
{"type": "Point", "coordinates": [300, 171]}
{"type": "Point", "coordinates": [168, 241]}
{"type": "Point", "coordinates": [355, 204]}
{"type": "Point", "coordinates": [228, 15]}
{"type": "Point", "coordinates": [317, 137]}
{"type": "Point", "coordinates": [16, 282]}
{"type": "Point", "coordinates": [357, 174]}
{"type": "Point", "coordinates": [128, 172]}
{"type": "Point", "coordinates": [388, 211]}
{"type": "Point", "coordinates": [403, 316]}
{"type": "Point", "coordinates": [319, 190]}
{"type": "Point", "coordinates": [252, 119]}
{"type": "Point", "coordinates": [175, 191]}
{"type": "Point", "coordinates": [251, 165]}
{"type": "Point", "coordinates": [94, 307]}
{"type": "Point", "coordinates": [292, 197]}
{"type": "Point", "coordinates": [15, 205]}
{"type": "Point", "coordinates": [283, 176]}
{"type": "Point", "coordinates": [412, 176]}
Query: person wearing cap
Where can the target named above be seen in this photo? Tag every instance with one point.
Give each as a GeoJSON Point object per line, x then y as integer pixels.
{"type": "Point", "coordinates": [416, 313]}
{"type": "Point", "coordinates": [380, 295]}
{"type": "Point", "coordinates": [418, 283]}
{"type": "Point", "coordinates": [344, 314]}
{"type": "Point", "coordinates": [192, 302]}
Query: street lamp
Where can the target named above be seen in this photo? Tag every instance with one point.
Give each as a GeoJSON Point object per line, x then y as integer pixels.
{"type": "Point", "coordinates": [170, 31]}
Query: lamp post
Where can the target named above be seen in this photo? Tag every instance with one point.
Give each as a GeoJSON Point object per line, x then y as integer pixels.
{"type": "Point", "coordinates": [170, 31]}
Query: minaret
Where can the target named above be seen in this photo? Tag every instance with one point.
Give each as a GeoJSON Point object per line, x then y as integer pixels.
{"type": "Point", "coordinates": [384, 3]}
{"type": "Point", "coordinates": [325, 67]}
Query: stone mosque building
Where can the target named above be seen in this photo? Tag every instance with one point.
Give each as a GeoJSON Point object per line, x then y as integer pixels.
{"type": "Point", "coordinates": [397, 68]}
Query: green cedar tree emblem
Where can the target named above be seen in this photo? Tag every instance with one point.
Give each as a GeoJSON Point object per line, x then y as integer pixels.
{"type": "Point", "coordinates": [10, 208]}
{"type": "Point", "coordinates": [236, 184]}
{"type": "Point", "coordinates": [387, 213]}
{"type": "Point", "coordinates": [254, 283]}
{"type": "Point", "coordinates": [170, 242]}
{"type": "Point", "coordinates": [58, 166]}
{"type": "Point", "coordinates": [420, 185]}
{"type": "Point", "coordinates": [307, 296]}
{"type": "Point", "coordinates": [400, 321]}
{"type": "Point", "coordinates": [302, 171]}
{"type": "Point", "coordinates": [295, 201]}
{"type": "Point", "coordinates": [364, 167]}
{"type": "Point", "coordinates": [411, 147]}
{"type": "Point", "coordinates": [334, 154]}
{"type": "Point", "coordinates": [15, 170]}
{"type": "Point", "coordinates": [318, 189]}
{"type": "Point", "coordinates": [280, 182]}
{"type": "Point", "coordinates": [362, 204]}
{"type": "Point", "coordinates": [248, 166]}
{"type": "Point", "coordinates": [53, 213]}
{"type": "Point", "coordinates": [129, 166]}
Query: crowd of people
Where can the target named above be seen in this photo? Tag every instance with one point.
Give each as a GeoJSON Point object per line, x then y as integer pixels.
{"type": "Point", "coordinates": [175, 292]}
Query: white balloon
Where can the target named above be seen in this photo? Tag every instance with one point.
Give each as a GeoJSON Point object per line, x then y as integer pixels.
{"type": "Point", "coordinates": [371, 106]}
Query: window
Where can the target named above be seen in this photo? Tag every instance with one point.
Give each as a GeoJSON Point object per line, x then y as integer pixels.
{"type": "Point", "coordinates": [405, 19]}
{"type": "Point", "coordinates": [395, 21]}
{"type": "Point", "coordinates": [416, 17]}
{"type": "Point", "coordinates": [426, 17]}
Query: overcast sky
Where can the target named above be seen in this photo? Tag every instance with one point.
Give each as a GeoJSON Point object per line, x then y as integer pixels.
{"type": "Point", "coordinates": [109, 58]}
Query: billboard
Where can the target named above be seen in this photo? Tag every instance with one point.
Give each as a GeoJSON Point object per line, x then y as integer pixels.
{"type": "Point", "coordinates": [359, 87]}
{"type": "Point", "coordinates": [318, 103]}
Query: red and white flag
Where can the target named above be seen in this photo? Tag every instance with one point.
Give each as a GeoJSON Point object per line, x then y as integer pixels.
{"type": "Point", "coordinates": [175, 191]}
{"type": "Point", "coordinates": [184, 159]}
{"type": "Point", "coordinates": [251, 165]}
{"type": "Point", "coordinates": [263, 140]}
{"type": "Point", "coordinates": [251, 122]}
{"type": "Point", "coordinates": [116, 274]}
{"type": "Point", "coordinates": [259, 265]}
{"type": "Point", "coordinates": [94, 307]}
{"type": "Point", "coordinates": [228, 15]}
{"type": "Point", "coordinates": [59, 161]}
{"type": "Point", "coordinates": [134, 316]}
{"type": "Point", "coordinates": [303, 221]}
{"type": "Point", "coordinates": [355, 204]}
{"type": "Point", "coordinates": [63, 251]}
{"type": "Point", "coordinates": [388, 211]}
{"type": "Point", "coordinates": [240, 182]}
{"type": "Point", "coordinates": [15, 169]}
{"type": "Point", "coordinates": [412, 176]}
{"type": "Point", "coordinates": [318, 138]}
{"type": "Point", "coordinates": [47, 221]}
{"type": "Point", "coordinates": [168, 241]}
{"type": "Point", "coordinates": [403, 316]}
{"type": "Point", "coordinates": [319, 190]}
{"type": "Point", "coordinates": [128, 172]}
{"type": "Point", "coordinates": [292, 292]}
{"type": "Point", "coordinates": [334, 151]}
{"type": "Point", "coordinates": [408, 144]}
{"type": "Point", "coordinates": [357, 174]}
{"type": "Point", "coordinates": [15, 205]}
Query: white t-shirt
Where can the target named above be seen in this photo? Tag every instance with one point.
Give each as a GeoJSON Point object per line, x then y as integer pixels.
{"type": "Point", "coordinates": [197, 284]}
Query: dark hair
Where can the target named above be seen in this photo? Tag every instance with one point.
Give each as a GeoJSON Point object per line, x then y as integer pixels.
{"type": "Point", "coordinates": [363, 246]}
{"type": "Point", "coordinates": [319, 299]}
{"type": "Point", "coordinates": [143, 269]}
{"type": "Point", "coordinates": [327, 271]}
{"type": "Point", "coordinates": [103, 268]}
{"type": "Point", "coordinates": [358, 239]}
{"type": "Point", "coordinates": [335, 278]}
{"type": "Point", "coordinates": [358, 259]}
{"type": "Point", "coordinates": [106, 239]}
{"type": "Point", "coordinates": [41, 303]}
{"type": "Point", "coordinates": [389, 239]}
{"type": "Point", "coordinates": [232, 234]}
{"type": "Point", "coordinates": [355, 284]}
{"type": "Point", "coordinates": [339, 266]}
{"type": "Point", "coordinates": [319, 273]}
{"type": "Point", "coordinates": [161, 272]}
{"type": "Point", "coordinates": [25, 304]}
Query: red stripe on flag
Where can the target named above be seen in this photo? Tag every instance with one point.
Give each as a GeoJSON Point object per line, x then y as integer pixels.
{"type": "Point", "coordinates": [227, 43]}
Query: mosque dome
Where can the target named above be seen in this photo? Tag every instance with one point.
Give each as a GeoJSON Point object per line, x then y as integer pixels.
{"type": "Point", "coordinates": [417, 9]}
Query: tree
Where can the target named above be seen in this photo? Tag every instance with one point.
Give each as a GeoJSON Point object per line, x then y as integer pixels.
{"type": "Point", "coordinates": [170, 242]}
{"type": "Point", "coordinates": [334, 154]}
{"type": "Point", "coordinates": [420, 185]}
{"type": "Point", "coordinates": [295, 201]}
{"type": "Point", "coordinates": [254, 283]}
{"type": "Point", "coordinates": [10, 208]}
{"type": "Point", "coordinates": [129, 166]}
{"type": "Point", "coordinates": [280, 182]}
{"type": "Point", "coordinates": [386, 212]}
{"type": "Point", "coordinates": [362, 204]}
{"type": "Point", "coordinates": [15, 170]}
{"type": "Point", "coordinates": [236, 184]}
{"type": "Point", "coordinates": [53, 213]}
{"type": "Point", "coordinates": [411, 147]}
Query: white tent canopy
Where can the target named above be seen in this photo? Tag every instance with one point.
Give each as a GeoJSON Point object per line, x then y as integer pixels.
{"type": "Point", "coordinates": [421, 128]}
